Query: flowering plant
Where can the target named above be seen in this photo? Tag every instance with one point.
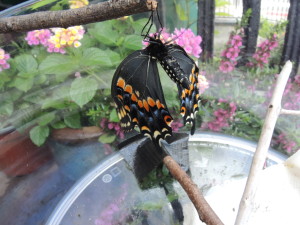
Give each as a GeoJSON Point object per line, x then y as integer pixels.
{"type": "Point", "coordinates": [263, 52]}
{"type": "Point", "coordinates": [229, 56]}
{"type": "Point", "coordinates": [60, 77]}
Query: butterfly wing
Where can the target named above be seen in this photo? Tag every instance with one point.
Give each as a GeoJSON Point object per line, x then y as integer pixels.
{"type": "Point", "coordinates": [189, 97]}
{"type": "Point", "coordinates": [137, 92]}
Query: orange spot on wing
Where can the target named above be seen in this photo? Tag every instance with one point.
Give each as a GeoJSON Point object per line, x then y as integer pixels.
{"type": "Point", "coordinates": [128, 88]}
{"type": "Point", "coordinates": [145, 128]}
{"type": "Point", "coordinates": [140, 103]}
{"type": "Point", "coordinates": [151, 102]}
{"type": "Point", "coordinates": [127, 108]}
{"type": "Point", "coordinates": [168, 120]}
{"type": "Point", "coordinates": [182, 110]}
{"type": "Point", "coordinates": [121, 83]}
{"type": "Point", "coordinates": [158, 104]}
{"type": "Point", "coordinates": [135, 120]}
{"type": "Point", "coordinates": [134, 98]}
{"type": "Point", "coordinates": [146, 106]}
{"type": "Point", "coordinates": [120, 97]}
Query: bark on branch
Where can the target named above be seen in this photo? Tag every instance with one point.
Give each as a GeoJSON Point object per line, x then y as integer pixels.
{"type": "Point", "coordinates": [64, 18]}
{"type": "Point", "coordinates": [206, 214]}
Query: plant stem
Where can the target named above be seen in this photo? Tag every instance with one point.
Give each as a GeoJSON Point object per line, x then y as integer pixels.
{"type": "Point", "coordinates": [107, 10]}
{"type": "Point", "coordinates": [206, 214]}
{"type": "Point", "coordinates": [260, 155]}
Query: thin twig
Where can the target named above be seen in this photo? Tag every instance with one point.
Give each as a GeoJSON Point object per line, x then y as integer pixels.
{"type": "Point", "coordinates": [290, 112]}
{"type": "Point", "coordinates": [206, 214]}
{"type": "Point", "coordinates": [64, 18]}
{"type": "Point", "coordinates": [263, 144]}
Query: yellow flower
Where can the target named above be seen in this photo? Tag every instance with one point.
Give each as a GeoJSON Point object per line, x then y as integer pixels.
{"type": "Point", "coordinates": [74, 4]}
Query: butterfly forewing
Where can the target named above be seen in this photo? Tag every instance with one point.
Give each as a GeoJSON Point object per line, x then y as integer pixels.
{"type": "Point", "coordinates": [138, 94]}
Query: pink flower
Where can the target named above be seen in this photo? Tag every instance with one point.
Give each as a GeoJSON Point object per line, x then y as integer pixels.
{"type": "Point", "coordinates": [222, 116]}
{"type": "Point", "coordinates": [297, 79]}
{"type": "Point", "coordinates": [236, 41]}
{"type": "Point", "coordinates": [56, 39]}
{"type": "Point", "coordinates": [263, 52]}
{"type": "Point", "coordinates": [232, 53]}
{"type": "Point", "coordinates": [287, 145]}
{"type": "Point", "coordinates": [226, 66]}
{"type": "Point", "coordinates": [202, 83]}
{"type": "Point", "coordinates": [176, 125]}
{"type": "Point", "coordinates": [3, 60]}
{"type": "Point", "coordinates": [188, 40]}
{"type": "Point", "coordinates": [184, 38]}
{"type": "Point", "coordinates": [114, 126]}
{"type": "Point", "coordinates": [37, 37]}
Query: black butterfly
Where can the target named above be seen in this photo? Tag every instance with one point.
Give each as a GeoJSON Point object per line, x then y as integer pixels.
{"type": "Point", "coordinates": [138, 94]}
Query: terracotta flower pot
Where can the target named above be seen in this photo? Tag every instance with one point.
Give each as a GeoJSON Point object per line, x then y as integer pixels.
{"type": "Point", "coordinates": [69, 135]}
{"type": "Point", "coordinates": [19, 156]}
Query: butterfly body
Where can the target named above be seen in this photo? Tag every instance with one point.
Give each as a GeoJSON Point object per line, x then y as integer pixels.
{"type": "Point", "coordinates": [138, 93]}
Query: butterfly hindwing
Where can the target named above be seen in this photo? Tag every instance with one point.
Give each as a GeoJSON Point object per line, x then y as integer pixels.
{"type": "Point", "coordinates": [138, 94]}
{"type": "Point", "coordinates": [189, 97]}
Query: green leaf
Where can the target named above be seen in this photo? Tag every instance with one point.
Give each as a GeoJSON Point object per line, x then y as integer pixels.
{"type": "Point", "coordinates": [23, 84]}
{"type": "Point", "coordinates": [133, 42]}
{"type": "Point", "coordinates": [53, 103]}
{"type": "Point", "coordinates": [58, 125]}
{"type": "Point", "coordinates": [58, 64]}
{"type": "Point", "coordinates": [46, 118]}
{"type": "Point", "coordinates": [139, 24]}
{"type": "Point", "coordinates": [95, 56]}
{"type": "Point", "coordinates": [41, 3]}
{"type": "Point", "coordinates": [26, 63]}
{"type": "Point", "coordinates": [104, 33]}
{"type": "Point", "coordinates": [83, 90]}
{"type": "Point", "coordinates": [73, 121]}
{"type": "Point", "coordinates": [107, 138]}
{"type": "Point", "coordinates": [39, 134]}
{"type": "Point", "coordinates": [113, 117]}
{"type": "Point", "coordinates": [6, 108]}
{"type": "Point", "coordinates": [114, 57]}
{"type": "Point", "coordinates": [180, 12]}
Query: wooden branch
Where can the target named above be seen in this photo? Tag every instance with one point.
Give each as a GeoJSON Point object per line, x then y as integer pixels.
{"type": "Point", "coordinates": [260, 155]}
{"type": "Point", "coordinates": [290, 112]}
{"type": "Point", "coordinates": [206, 214]}
{"type": "Point", "coordinates": [64, 18]}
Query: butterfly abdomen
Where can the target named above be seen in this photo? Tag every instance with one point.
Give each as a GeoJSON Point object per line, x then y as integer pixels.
{"type": "Point", "coordinates": [172, 68]}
